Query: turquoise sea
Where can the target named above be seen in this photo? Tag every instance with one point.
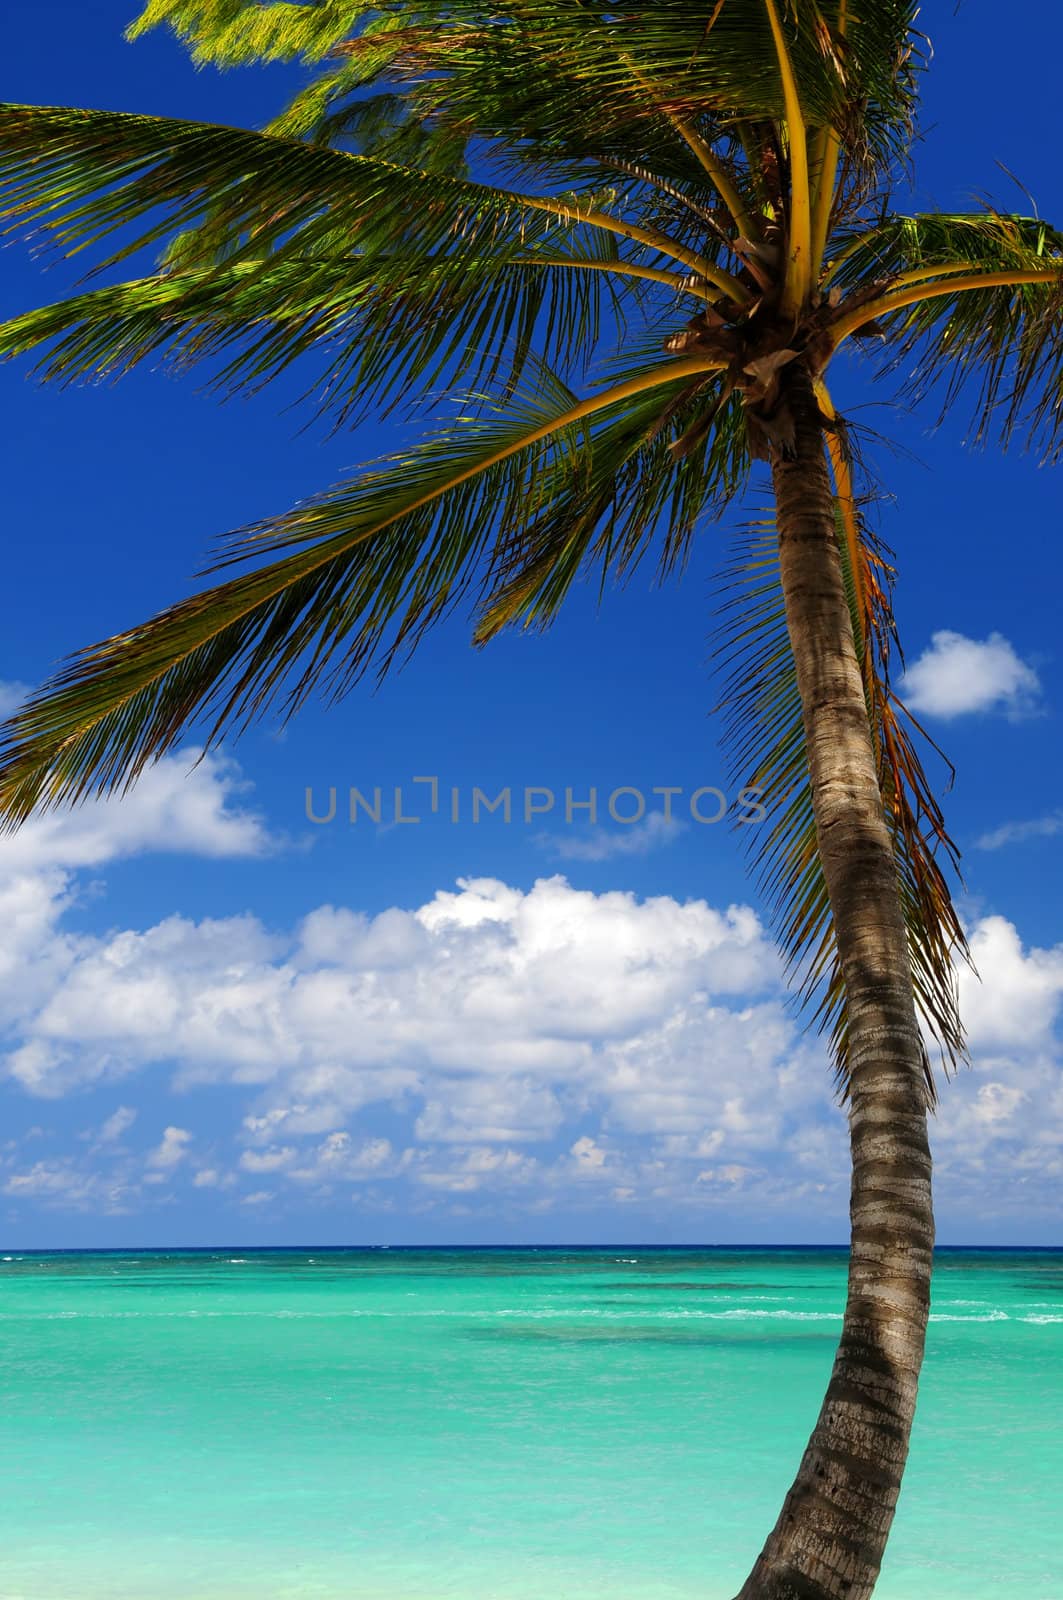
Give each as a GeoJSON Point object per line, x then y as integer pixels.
{"type": "Point", "coordinates": [494, 1425]}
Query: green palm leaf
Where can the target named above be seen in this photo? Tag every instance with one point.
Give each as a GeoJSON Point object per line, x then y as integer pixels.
{"type": "Point", "coordinates": [403, 276]}
{"type": "Point", "coordinates": [362, 572]}
{"type": "Point", "coordinates": [81, 175]}
{"type": "Point", "coordinates": [412, 325]}
{"type": "Point", "coordinates": [1003, 341]}
{"type": "Point", "coordinates": [854, 62]}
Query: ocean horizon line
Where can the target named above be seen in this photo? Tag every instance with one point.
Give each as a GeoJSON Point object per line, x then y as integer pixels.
{"type": "Point", "coordinates": [7, 1250]}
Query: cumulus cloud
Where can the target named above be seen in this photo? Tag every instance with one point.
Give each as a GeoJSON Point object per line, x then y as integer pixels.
{"type": "Point", "coordinates": [213, 1178]}
{"type": "Point", "coordinates": [177, 806]}
{"type": "Point", "coordinates": [478, 1168]}
{"type": "Point", "coordinates": [186, 803]}
{"type": "Point", "coordinates": [527, 993]}
{"type": "Point", "coordinates": [547, 1045]}
{"type": "Point", "coordinates": [508, 1110]}
{"type": "Point", "coordinates": [998, 1135]}
{"type": "Point", "coordinates": [956, 676]}
{"type": "Point", "coordinates": [1015, 998]}
{"type": "Point", "coordinates": [588, 1155]}
{"type": "Point", "coordinates": [46, 1178]}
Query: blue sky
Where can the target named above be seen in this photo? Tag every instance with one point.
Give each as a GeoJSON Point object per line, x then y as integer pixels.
{"type": "Point", "coordinates": [224, 1023]}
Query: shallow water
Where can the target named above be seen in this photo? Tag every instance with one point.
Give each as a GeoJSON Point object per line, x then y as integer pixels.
{"type": "Point", "coordinates": [495, 1425]}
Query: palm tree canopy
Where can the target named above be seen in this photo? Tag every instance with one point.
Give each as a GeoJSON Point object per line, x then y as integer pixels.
{"type": "Point", "coordinates": [602, 231]}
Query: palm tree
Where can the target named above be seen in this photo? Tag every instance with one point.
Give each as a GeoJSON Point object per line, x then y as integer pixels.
{"type": "Point", "coordinates": [483, 198]}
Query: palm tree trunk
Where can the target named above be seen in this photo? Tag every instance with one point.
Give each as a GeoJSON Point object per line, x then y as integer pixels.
{"type": "Point", "coordinates": [832, 1530]}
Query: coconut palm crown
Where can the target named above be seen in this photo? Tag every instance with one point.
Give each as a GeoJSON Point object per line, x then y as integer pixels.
{"type": "Point", "coordinates": [620, 244]}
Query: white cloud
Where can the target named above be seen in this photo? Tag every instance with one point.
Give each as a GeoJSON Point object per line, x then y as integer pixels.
{"type": "Point", "coordinates": [517, 991]}
{"type": "Point", "coordinates": [172, 809]}
{"type": "Point", "coordinates": [956, 676]}
{"type": "Point", "coordinates": [214, 1178]}
{"type": "Point", "coordinates": [171, 1150]}
{"type": "Point", "coordinates": [507, 1110]}
{"type": "Point", "coordinates": [267, 1160]}
{"type": "Point", "coordinates": [1015, 999]}
{"type": "Point", "coordinates": [117, 1123]}
{"type": "Point", "coordinates": [337, 1159]}
{"type": "Point", "coordinates": [12, 694]}
{"type": "Point", "coordinates": [998, 1135]}
{"type": "Point", "coordinates": [600, 844]}
{"type": "Point", "coordinates": [46, 1178]}
{"type": "Point", "coordinates": [64, 1184]}
{"type": "Point", "coordinates": [733, 1174]}
{"type": "Point", "coordinates": [480, 1168]}
{"type": "Point", "coordinates": [186, 802]}
{"type": "Point", "coordinates": [548, 1044]}
{"type": "Point", "coordinates": [588, 1155]}
{"type": "Point", "coordinates": [1018, 832]}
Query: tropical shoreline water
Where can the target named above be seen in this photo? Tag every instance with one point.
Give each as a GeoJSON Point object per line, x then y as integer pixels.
{"type": "Point", "coordinates": [494, 1424]}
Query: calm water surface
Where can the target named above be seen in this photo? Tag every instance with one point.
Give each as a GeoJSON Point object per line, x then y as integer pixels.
{"type": "Point", "coordinates": [494, 1425]}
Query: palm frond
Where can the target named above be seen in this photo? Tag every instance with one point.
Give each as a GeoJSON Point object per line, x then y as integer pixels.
{"type": "Point", "coordinates": [82, 175]}
{"type": "Point", "coordinates": [651, 476]}
{"type": "Point", "coordinates": [378, 340]}
{"type": "Point", "coordinates": [389, 123]}
{"type": "Point", "coordinates": [589, 77]}
{"type": "Point", "coordinates": [401, 275]}
{"type": "Point", "coordinates": [231, 33]}
{"type": "Point", "coordinates": [898, 245]}
{"type": "Point", "coordinates": [971, 305]}
{"type": "Point", "coordinates": [799, 214]}
{"type": "Point", "coordinates": [356, 577]}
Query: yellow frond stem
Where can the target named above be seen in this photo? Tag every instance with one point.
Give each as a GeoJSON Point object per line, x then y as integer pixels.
{"type": "Point", "coordinates": [823, 200]}
{"type": "Point", "coordinates": [799, 244]}
{"type": "Point", "coordinates": [599, 401]}
{"type": "Point", "coordinates": [925, 274]}
{"type": "Point", "coordinates": [826, 172]}
{"type": "Point", "coordinates": [837, 262]}
{"type": "Point", "coordinates": [843, 488]}
{"type": "Point", "coordinates": [646, 236]}
{"type": "Point", "coordinates": [624, 269]}
{"type": "Point", "coordinates": [849, 322]}
{"type": "Point", "coordinates": [916, 275]}
{"type": "Point", "coordinates": [743, 220]}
